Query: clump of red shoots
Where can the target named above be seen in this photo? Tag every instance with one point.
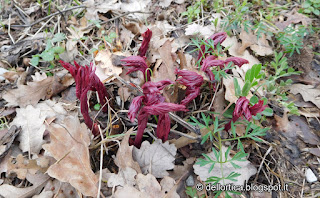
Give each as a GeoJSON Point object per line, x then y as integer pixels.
{"type": "Point", "coordinates": [154, 104]}
{"type": "Point", "coordinates": [243, 108]}
{"type": "Point", "coordinates": [145, 42]}
{"type": "Point", "coordinates": [192, 81]}
{"type": "Point", "coordinates": [86, 80]}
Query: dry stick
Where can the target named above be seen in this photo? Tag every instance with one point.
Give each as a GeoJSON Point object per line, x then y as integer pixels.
{"type": "Point", "coordinates": [9, 29]}
{"type": "Point", "coordinates": [264, 157]}
{"type": "Point", "coordinates": [49, 16]}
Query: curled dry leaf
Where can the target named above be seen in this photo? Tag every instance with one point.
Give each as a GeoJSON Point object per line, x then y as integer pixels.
{"type": "Point", "coordinates": [246, 170]}
{"type": "Point", "coordinates": [308, 93]}
{"type": "Point", "coordinates": [155, 158]}
{"type": "Point", "coordinates": [293, 17]}
{"type": "Point", "coordinates": [7, 139]}
{"type": "Point", "coordinates": [34, 91]}
{"type": "Point", "coordinates": [69, 146]}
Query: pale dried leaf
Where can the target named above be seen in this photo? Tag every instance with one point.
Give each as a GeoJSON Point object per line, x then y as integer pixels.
{"type": "Point", "coordinates": [203, 31]}
{"type": "Point", "coordinates": [246, 170]}
{"type": "Point", "coordinates": [38, 182]}
{"type": "Point", "coordinates": [129, 191]}
{"type": "Point", "coordinates": [124, 177]}
{"type": "Point", "coordinates": [155, 158]}
{"type": "Point", "coordinates": [22, 166]}
{"type": "Point", "coordinates": [69, 146]}
{"type": "Point", "coordinates": [308, 93]}
{"type": "Point", "coordinates": [31, 121]}
{"type": "Point", "coordinates": [44, 194]}
{"type": "Point", "coordinates": [38, 77]}
{"type": "Point", "coordinates": [104, 60]}
{"type": "Point", "coordinates": [61, 189]}
{"type": "Point", "coordinates": [124, 155]}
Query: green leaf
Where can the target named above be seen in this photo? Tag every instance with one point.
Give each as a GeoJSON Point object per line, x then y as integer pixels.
{"type": "Point", "coordinates": [246, 88]}
{"type": "Point", "coordinates": [267, 112]}
{"type": "Point", "coordinates": [236, 87]}
{"type": "Point", "coordinates": [58, 49]}
{"type": "Point", "coordinates": [47, 55]}
{"type": "Point", "coordinates": [58, 37]}
{"type": "Point", "coordinates": [35, 60]}
{"type": "Point", "coordinates": [254, 99]}
{"type": "Point", "coordinates": [97, 107]}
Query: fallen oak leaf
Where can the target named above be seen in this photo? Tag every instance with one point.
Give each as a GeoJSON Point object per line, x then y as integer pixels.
{"type": "Point", "coordinates": [33, 92]}
{"type": "Point", "coordinates": [158, 157]}
{"type": "Point", "coordinates": [246, 170]}
{"type": "Point", "coordinates": [69, 146]}
{"type": "Point", "coordinates": [124, 155]}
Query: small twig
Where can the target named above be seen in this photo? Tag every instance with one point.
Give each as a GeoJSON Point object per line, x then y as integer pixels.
{"type": "Point", "coordinates": [9, 29]}
{"type": "Point", "coordinates": [49, 16]}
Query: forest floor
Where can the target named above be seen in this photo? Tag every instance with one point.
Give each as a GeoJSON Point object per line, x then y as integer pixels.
{"type": "Point", "coordinates": [168, 98]}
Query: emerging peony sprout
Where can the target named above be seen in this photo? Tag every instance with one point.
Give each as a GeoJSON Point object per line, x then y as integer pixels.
{"type": "Point", "coordinates": [244, 109]}
{"type": "Point", "coordinates": [145, 43]}
{"type": "Point", "coordinates": [86, 80]}
{"type": "Point", "coordinates": [154, 104]}
{"type": "Point", "coordinates": [217, 38]}
{"type": "Point", "coordinates": [139, 62]}
{"type": "Point", "coordinates": [192, 81]}
{"type": "Point", "coordinates": [211, 61]}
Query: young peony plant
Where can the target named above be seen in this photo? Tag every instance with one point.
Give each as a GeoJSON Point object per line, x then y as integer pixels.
{"type": "Point", "coordinates": [153, 104]}
{"type": "Point", "coordinates": [86, 80]}
{"type": "Point", "coordinates": [243, 108]}
{"type": "Point", "coordinates": [192, 81]}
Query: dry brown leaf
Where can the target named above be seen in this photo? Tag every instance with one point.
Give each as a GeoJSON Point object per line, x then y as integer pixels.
{"type": "Point", "coordinates": [234, 51]}
{"type": "Point", "coordinates": [260, 46]}
{"type": "Point", "coordinates": [22, 166]}
{"type": "Point", "coordinates": [296, 127]}
{"type": "Point", "coordinates": [38, 181]}
{"type": "Point", "coordinates": [293, 17]}
{"type": "Point", "coordinates": [32, 121]}
{"type": "Point", "coordinates": [104, 60]}
{"type": "Point", "coordinates": [69, 146]}
{"type": "Point", "coordinates": [246, 170]}
{"type": "Point", "coordinates": [167, 68]}
{"type": "Point", "coordinates": [34, 91]}
{"type": "Point", "coordinates": [60, 189]}
{"type": "Point", "coordinates": [124, 155]}
{"type": "Point", "coordinates": [125, 176]}
{"type": "Point", "coordinates": [6, 139]}
{"type": "Point", "coordinates": [204, 31]}
{"type": "Point", "coordinates": [308, 92]}
{"type": "Point", "coordinates": [124, 93]}
{"type": "Point", "coordinates": [155, 158]}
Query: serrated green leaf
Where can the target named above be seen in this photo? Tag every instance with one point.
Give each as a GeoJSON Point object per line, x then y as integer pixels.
{"type": "Point", "coordinates": [58, 37]}
{"type": "Point", "coordinates": [47, 55]}
{"type": "Point", "coordinates": [254, 99]}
